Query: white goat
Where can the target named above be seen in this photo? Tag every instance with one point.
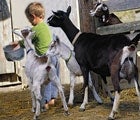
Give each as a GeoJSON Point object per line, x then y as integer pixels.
{"type": "Point", "coordinates": [59, 48]}
{"type": "Point", "coordinates": [38, 70]}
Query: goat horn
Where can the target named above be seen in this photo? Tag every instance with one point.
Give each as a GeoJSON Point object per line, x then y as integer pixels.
{"type": "Point", "coordinates": [55, 13]}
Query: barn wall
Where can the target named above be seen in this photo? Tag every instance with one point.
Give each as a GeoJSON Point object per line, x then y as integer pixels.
{"type": "Point", "coordinates": [18, 20]}
{"type": "Point", "coordinates": [5, 36]}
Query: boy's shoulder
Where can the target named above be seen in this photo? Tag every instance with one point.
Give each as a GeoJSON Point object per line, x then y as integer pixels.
{"type": "Point", "coordinates": [40, 26]}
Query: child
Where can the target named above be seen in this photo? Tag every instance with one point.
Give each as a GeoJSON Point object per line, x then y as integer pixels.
{"type": "Point", "coordinates": [35, 14]}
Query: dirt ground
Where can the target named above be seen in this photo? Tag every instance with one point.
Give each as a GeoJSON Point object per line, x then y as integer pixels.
{"type": "Point", "coordinates": [15, 104]}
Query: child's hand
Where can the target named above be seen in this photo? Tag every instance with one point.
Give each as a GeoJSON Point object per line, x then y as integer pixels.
{"type": "Point", "coordinates": [15, 45]}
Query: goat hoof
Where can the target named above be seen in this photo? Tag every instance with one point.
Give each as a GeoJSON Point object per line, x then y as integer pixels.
{"type": "Point", "coordinates": [24, 87]}
{"type": "Point", "coordinates": [100, 103]}
{"type": "Point", "coordinates": [112, 117]}
{"type": "Point", "coordinates": [43, 109]}
{"type": "Point", "coordinates": [66, 113]}
{"type": "Point", "coordinates": [81, 110]}
{"type": "Point", "coordinates": [36, 118]}
{"type": "Point", "coordinates": [70, 105]}
{"type": "Point", "coordinates": [112, 100]}
{"type": "Point", "coordinates": [33, 110]}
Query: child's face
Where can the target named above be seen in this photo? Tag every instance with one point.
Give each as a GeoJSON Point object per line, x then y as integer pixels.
{"type": "Point", "coordinates": [30, 18]}
{"type": "Point", "coordinates": [34, 20]}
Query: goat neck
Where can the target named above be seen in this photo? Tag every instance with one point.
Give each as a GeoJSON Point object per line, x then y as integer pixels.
{"type": "Point", "coordinates": [65, 52]}
{"type": "Point", "coordinates": [28, 45]}
{"type": "Point", "coordinates": [27, 35]}
{"type": "Point", "coordinates": [70, 29]}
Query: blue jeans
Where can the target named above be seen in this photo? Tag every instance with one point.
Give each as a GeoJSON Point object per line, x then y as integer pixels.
{"type": "Point", "coordinates": [50, 90]}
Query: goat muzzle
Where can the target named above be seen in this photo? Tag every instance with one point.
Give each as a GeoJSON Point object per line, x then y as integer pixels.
{"type": "Point", "coordinates": [132, 47]}
{"type": "Point", "coordinates": [48, 68]}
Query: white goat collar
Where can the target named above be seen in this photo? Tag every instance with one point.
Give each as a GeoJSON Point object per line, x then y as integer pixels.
{"type": "Point", "coordinates": [76, 36]}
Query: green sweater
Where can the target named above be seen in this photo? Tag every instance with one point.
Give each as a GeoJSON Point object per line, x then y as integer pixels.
{"type": "Point", "coordinates": [42, 38]}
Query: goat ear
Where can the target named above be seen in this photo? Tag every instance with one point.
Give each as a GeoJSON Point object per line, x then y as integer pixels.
{"type": "Point", "coordinates": [54, 12]}
{"type": "Point", "coordinates": [68, 10]}
{"type": "Point", "coordinates": [104, 7]}
{"type": "Point", "coordinates": [57, 39]}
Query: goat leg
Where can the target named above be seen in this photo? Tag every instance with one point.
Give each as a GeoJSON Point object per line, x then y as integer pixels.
{"type": "Point", "coordinates": [72, 82]}
{"type": "Point", "coordinates": [85, 101]}
{"type": "Point", "coordinates": [91, 86]}
{"type": "Point", "coordinates": [137, 91]}
{"type": "Point", "coordinates": [38, 98]}
{"type": "Point", "coordinates": [54, 78]}
{"type": "Point", "coordinates": [115, 106]}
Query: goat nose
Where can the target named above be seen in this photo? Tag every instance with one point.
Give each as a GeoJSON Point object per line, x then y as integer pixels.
{"type": "Point", "coordinates": [48, 68]}
{"type": "Point", "coordinates": [132, 47]}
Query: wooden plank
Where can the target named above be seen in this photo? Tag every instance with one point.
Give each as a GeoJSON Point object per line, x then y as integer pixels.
{"type": "Point", "coordinates": [6, 84]}
{"type": "Point", "coordinates": [119, 28]}
{"type": "Point", "coordinates": [121, 5]}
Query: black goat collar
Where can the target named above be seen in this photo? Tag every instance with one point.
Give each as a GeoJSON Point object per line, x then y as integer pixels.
{"type": "Point", "coordinates": [76, 36]}
{"type": "Point", "coordinates": [29, 50]}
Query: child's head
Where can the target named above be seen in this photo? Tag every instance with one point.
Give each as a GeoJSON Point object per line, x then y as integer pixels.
{"type": "Point", "coordinates": [35, 10]}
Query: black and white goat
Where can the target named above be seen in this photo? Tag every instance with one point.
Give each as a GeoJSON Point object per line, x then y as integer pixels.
{"type": "Point", "coordinates": [101, 11]}
{"type": "Point", "coordinates": [39, 70]}
{"type": "Point", "coordinates": [60, 49]}
{"type": "Point", "coordinates": [95, 52]}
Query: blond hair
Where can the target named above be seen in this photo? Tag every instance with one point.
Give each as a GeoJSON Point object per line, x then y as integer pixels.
{"type": "Point", "coordinates": [35, 8]}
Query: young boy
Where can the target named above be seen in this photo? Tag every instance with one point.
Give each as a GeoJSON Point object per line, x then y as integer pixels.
{"type": "Point", "coordinates": [35, 13]}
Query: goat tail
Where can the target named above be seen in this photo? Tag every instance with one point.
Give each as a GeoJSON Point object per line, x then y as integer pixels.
{"type": "Point", "coordinates": [136, 39]}
{"type": "Point", "coordinates": [88, 81]}
{"type": "Point", "coordinates": [85, 83]}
